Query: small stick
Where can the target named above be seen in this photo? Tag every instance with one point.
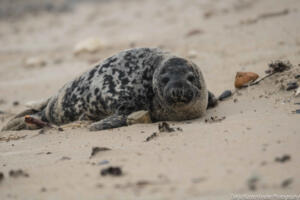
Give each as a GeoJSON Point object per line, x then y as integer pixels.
{"type": "Point", "coordinates": [258, 81]}
{"type": "Point", "coordinates": [38, 122]}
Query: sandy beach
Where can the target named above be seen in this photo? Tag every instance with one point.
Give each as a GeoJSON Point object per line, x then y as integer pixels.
{"type": "Point", "coordinates": [253, 149]}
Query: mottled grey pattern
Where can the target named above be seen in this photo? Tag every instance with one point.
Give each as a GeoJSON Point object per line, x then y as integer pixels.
{"type": "Point", "coordinates": [169, 87]}
{"type": "Point", "coordinates": [121, 82]}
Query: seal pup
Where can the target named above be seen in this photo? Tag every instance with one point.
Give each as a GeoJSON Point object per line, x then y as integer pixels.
{"type": "Point", "coordinates": [167, 86]}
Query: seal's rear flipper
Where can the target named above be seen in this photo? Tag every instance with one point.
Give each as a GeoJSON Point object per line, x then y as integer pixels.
{"type": "Point", "coordinates": [18, 123]}
{"type": "Point", "coordinates": [26, 112]}
{"type": "Point", "coordinates": [212, 100]}
{"type": "Point", "coordinates": [36, 110]}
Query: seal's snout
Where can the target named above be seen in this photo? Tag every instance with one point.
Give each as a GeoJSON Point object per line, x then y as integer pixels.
{"type": "Point", "coordinates": [179, 92]}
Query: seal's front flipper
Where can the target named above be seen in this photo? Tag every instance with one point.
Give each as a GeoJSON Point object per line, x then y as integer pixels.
{"type": "Point", "coordinates": [212, 101]}
{"type": "Point", "coordinates": [113, 121]}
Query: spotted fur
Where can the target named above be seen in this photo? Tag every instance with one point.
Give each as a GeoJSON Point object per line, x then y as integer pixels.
{"type": "Point", "coordinates": [118, 86]}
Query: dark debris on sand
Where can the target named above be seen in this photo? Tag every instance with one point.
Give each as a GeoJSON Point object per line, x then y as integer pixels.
{"type": "Point", "coordinates": [162, 127]}
{"type": "Point", "coordinates": [214, 119]}
{"type": "Point", "coordinates": [65, 158]}
{"type": "Point", "coordinates": [283, 158]}
{"type": "Point", "coordinates": [165, 127]}
{"type": "Point", "coordinates": [252, 182]}
{"type": "Point", "coordinates": [292, 86]}
{"type": "Point", "coordinates": [1, 176]}
{"type": "Point", "coordinates": [96, 150]}
{"type": "Point", "coordinates": [153, 135]}
{"type": "Point", "coordinates": [279, 66]}
{"type": "Point", "coordinates": [274, 68]}
{"type": "Point", "coordinates": [285, 183]}
{"type": "Point", "coordinates": [18, 173]}
{"type": "Point", "coordinates": [112, 171]}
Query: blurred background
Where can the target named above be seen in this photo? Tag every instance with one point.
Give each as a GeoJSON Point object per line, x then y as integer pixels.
{"type": "Point", "coordinates": [45, 43]}
{"type": "Point", "coordinates": [218, 35]}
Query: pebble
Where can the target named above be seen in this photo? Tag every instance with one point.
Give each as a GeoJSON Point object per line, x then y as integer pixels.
{"type": "Point", "coordinates": [16, 103]}
{"type": "Point", "coordinates": [297, 76]}
{"type": "Point", "coordinates": [292, 86]}
{"type": "Point", "coordinates": [242, 78]}
{"type": "Point", "coordinates": [113, 171]}
{"type": "Point", "coordinates": [89, 45]}
{"type": "Point", "coordinates": [285, 183]}
{"type": "Point", "coordinates": [225, 95]}
{"type": "Point", "coordinates": [283, 158]}
{"type": "Point", "coordinates": [103, 162]}
{"type": "Point", "coordinates": [35, 62]}
{"type": "Point", "coordinates": [297, 111]}
{"type": "Point", "coordinates": [192, 54]}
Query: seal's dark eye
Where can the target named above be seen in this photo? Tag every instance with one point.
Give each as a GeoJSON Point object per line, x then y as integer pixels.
{"type": "Point", "coordinates": [165, 80]}
{"type": "Point", "coordinates": [191, 78]}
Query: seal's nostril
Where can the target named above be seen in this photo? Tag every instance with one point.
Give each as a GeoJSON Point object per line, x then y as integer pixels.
{"type": "Point", "coordinates": [191, 78]}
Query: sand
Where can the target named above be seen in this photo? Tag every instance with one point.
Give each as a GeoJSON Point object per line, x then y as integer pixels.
{"type": "Point", "coordinates": [203, 161]}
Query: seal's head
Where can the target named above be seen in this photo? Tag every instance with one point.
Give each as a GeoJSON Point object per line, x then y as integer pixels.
{"type": "Point", "coordinates": [179, 84]}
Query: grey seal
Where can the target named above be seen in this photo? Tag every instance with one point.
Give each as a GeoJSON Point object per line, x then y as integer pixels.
{"type": "Point", "coordinates": [171, 88]}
